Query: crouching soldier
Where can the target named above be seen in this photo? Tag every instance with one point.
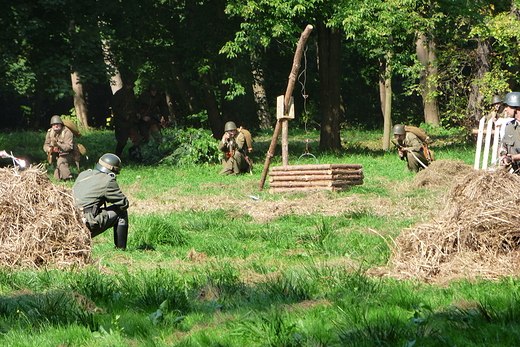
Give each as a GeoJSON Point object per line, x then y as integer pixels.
{"type": "Point", "coordinates": [411, 148]}
{"type": "Point", "coordinates": [92, 191]}
{"type": "Point", "coordinates": [233, 144]}
{"type": "Point", "coordinates": [59, 146]}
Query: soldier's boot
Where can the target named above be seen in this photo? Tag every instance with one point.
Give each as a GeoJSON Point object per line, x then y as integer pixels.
{"type": "Point", "coordinates": [121, 231]}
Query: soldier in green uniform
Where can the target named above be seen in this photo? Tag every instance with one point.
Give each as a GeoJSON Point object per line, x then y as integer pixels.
{"type": "Point", "coordinates": [410, 148]}
{"type": "Point", "coordinates": [510, 147]}
{"type": "Point", "coordinates": [125, 120]}
{"type": "Point", "coordinates": [152, 112]}
{"type": "Point", "coordinates": [233, 144]}
{"type": "Point", "coordinates": [93, 189]}
{"type": "Point", "coordinates": [59, 144]}
{"type": "Point", "coordinates": [497, 110]}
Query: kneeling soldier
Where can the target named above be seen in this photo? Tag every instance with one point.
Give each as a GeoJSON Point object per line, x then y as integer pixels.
{"type": "Point", "coordinates": [93, 190]}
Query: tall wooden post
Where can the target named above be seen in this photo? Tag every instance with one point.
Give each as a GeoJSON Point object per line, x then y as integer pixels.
{"type": "Point", "coordinates": [288, 93]}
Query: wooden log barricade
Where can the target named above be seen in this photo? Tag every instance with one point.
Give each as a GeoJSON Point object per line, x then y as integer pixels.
{"type": "Point", "coordinates": [307, 178]}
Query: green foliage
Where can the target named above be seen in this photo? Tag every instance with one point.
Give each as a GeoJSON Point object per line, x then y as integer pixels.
{"type": "Point", "coordinates": [190, 146]}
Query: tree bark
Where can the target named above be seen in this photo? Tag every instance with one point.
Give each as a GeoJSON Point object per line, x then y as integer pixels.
{"type": "Point", "coordinates": [425, 49]}
{"type": "Point", "coordinates": [385, 94]}
{"type": "Point", "coordinates": [259, 93]}
{"type": "Point", "coordinates": [329, 53]}
{"type": "Point", "coordinates": [186, 91]}
{"type": "Point", "coordinates": [482, 65]}
{"type": "Point", "coordinates": [79, 100]}
{"type": "Point", "coordinates": [214, 117]}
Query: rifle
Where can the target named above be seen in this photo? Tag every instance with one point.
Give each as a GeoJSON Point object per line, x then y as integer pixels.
{"type": "Point", "coordinates": [404, 149]}
{"type": "Point", "coordinates": [54, 149]}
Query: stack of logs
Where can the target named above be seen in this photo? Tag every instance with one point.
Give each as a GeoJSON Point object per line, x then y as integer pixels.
{"type": "Point", "coordinates": [306, 178]}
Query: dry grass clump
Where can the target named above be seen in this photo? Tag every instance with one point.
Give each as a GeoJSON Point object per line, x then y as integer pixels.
{"type": "Point", "coordinates": [441, 173]}
{"type": "Point", "coordinates": [39, 222]}
{"type": "Point", "coordinates": [477, 234]}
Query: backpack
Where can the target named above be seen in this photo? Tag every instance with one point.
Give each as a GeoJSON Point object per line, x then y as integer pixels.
{"type": "Point", "coordinates": [72, 127]}
{"type": "Point", "coordinates": [78, 149]}
{"type": "Point", "coordinates": [248, 138]}
{"type": "Point", "coordinates": [421, 134]}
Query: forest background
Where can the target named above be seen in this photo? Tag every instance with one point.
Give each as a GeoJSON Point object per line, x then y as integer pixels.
{"type": "Point", "coordinates": [367, 64]}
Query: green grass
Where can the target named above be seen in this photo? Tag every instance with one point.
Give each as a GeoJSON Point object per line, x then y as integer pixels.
{"type": "Point", "coordinates": [206, 265]}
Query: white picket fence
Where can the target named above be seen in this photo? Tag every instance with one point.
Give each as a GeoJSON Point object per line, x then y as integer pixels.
{"type": "Point", "coordinates": [493, 131]}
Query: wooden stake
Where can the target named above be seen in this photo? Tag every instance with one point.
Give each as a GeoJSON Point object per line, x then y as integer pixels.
{"type": "Point", "coordinates": [288, 93]}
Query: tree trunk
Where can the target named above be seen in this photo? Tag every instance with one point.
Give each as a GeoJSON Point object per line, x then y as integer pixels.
{"type": "Point", "coordinates": [385, 94]}
{"type": "Point", "coordinates": [185, 90]}
{"type": "Point", "coordinates": [329, 53]}
{"type": "Point", "coordinates": [259, 93]}
{"type": "Point", "coordinates": [425, 49]}
{"type": "Point", "coordinates": [79, 100]}
{"type": "Point", "coordinates": [116, 82]}
{"type": "Point", "coordinates": [482, 65]}
{"type": "Point", "coordinates": [214, 117]}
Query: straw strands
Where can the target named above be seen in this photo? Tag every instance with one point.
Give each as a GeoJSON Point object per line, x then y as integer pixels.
{"type": "Point", "coordinates": [39, 222]}
{"type": "Point", "coordinates": [477, 234]}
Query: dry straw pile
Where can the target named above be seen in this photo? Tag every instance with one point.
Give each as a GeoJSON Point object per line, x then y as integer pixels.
{"type": "Point", "coordinates": [476, 236]}
{"type": "Point", "coordinates": [39, 223]}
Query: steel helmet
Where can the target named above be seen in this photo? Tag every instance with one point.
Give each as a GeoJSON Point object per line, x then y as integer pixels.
{"type": "Point", "coordinates": [512, 99]}
{"type": "Point", "coordinates": [230, 126]}
{"type": "Point", "coordinates": [399, 129]}
{"type": "Point", "coordinates": [109, 163]}
{"type": "Point", "coordinates": [56, 120]}
{"type": "Point", "coordinates": [496, 100]}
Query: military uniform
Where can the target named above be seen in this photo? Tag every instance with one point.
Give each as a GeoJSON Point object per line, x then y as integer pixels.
{"type": "Point", "coordinates": [151, 109]}
{"type": "Point", "coordinates": [235, 160]}
{"type": "Point", "coordinates": [126, 122]}
{"type": "Point", "coordinates": [412, 142]}
{"type": "Point", "coordinates": [63, 143]}
{"type": "Point", "coordinates": [92, 191]}
{"type": "Point", "coordinates": [511, 138]}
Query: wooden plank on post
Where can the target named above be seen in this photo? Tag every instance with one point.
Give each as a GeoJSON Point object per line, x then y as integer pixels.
{"type": "Point", "coordinates": [494, 150]}
{"type": "Point", "coordinates": [487, 143]}
{"type": "Point", "coordinates": [479, 142]}
{"type": "Point", "coordinates": [288, 93]}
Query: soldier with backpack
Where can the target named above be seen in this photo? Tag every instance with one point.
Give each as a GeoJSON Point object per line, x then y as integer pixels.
{"type": "Point", "coordinates": [412, 147]}
{"type": "Point", "coordinates": [59, 146]}
{"type": "Point", "coordinates": [235, 147]}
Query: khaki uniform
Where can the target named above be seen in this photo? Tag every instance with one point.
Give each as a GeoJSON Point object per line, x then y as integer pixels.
{"type": "Point", "coordinates": [64, 142]}
{"type": "Point", "coordinates": [235, 160]}
{"type": "Point", "coordinates": [94, 189]}
{"type": "Point", "coordinates": [125, 120]}
{"type": "Point", "coordinates": [412, 142]}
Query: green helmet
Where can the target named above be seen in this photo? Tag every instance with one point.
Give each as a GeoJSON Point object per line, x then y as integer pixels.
{"type": "Point", "coordinates": [230, 126]}
{"type": "Point", "coordinates": [109, 163]}
{"type": "Point", "coordinates": [512, 99]}
{"type": "Point", "coordinates": [56, 120]}
{"type": "Point", "coordinates": [496, 100]}
{"type": "Point", "coordinates": [399, 129]}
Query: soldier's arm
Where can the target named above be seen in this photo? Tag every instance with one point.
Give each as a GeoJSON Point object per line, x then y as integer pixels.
{"type": "Point", "coordinates": [47, 147]}
{"type": "Point", "coordinates": [115, 196]}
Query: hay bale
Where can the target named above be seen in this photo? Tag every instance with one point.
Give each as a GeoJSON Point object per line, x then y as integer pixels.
{"type": "Point", "coordinates": [477, 234]}
{"type": "Point", "coordinates": [440, 174]}
{"type": "Point", "coordinates": [39, 224]}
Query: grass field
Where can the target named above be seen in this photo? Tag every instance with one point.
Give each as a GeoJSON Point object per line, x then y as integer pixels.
{"type": "Point", "coordinates": [208, 265]}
